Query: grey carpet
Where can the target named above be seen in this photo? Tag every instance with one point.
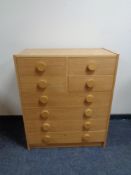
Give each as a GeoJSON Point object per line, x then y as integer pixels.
{"type": "Point", "coordinates": [15, 159]}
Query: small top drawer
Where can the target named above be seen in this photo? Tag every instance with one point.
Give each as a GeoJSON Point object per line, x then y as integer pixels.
{"type": "Point", "coordinates": [41, 66]}
{"type": "Point", "coordinates": [92, 66]}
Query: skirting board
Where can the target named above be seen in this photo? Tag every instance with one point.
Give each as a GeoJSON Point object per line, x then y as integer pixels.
{"type": "Point", "coordinates": [113, 116]}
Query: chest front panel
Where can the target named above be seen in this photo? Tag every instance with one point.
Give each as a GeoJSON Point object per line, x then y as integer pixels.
{"type": "Point", "coordinates": [66, 100]}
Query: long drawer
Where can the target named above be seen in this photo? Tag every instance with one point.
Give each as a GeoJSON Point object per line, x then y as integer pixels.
{"type": "Point", "coordinates": [65, 99]}
{"type": "Point", "coordinates": [60, 114]}
{"type": "Point", "coordinates": [66, 125]}
{"type": "Point", "coordinates": [66, 137]}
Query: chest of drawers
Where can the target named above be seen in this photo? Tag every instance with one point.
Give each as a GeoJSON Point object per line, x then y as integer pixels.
{"type": "Point", "coordinates": [66, 95]}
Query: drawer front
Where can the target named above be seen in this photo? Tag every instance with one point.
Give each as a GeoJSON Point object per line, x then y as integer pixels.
{"type": "Point", "coordinates": [66, 137]}
{"type": "Point", "coordinates": [46, 84]}
{"type": "Point", "coordinates": [92, 66]}
{"type": "Point", "coordinates": [90, 83]}
{"type": "Point", "coordinates": [66, 125]}
{"type": "Point", "coordinates": [41, 66]}
{"type": "Point", "coordinates": [65, 114]}
{"type": "Point", "coordinates": [66, 100]}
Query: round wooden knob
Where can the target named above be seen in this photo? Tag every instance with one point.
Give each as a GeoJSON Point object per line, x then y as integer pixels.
{"type": "Point", "coordinates": [46, 139]}
{"type": "Point", "coordinates": [44, 114]}
{"type": "Point", "coordinates": [90, 83]}
{"type": "Point", "coordinates": [89, 98]}
{"type": "Point", "coordinates": [42, 84]}
{"type": "Point", "coordinates": [88, 112]}
{"type": "Point", "coordinates": [91, 66]}
{"type": "Point", "coordinates": [45, 126]}
{"type": "Point", "coordinates": [87, 125]}
{"type": "Point", "coordinates": [43, 99]}
{"type": "Point", "coordinates": [86, 137]}
{"type": "Point", "coordinates": [41, 66]}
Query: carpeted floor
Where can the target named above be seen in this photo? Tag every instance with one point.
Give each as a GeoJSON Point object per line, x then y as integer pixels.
{"type": "Point", "coordinates": [15, 159]}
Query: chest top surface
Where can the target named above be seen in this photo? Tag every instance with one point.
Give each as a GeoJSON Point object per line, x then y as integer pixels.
{"type": "Point", "coordinates": [65, 52]}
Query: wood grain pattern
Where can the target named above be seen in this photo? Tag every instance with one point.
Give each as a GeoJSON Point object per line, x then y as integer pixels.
{"type": "Point", "coordinates": [65, 99]}
{"type": "Point", "coordinates": [107, 124]}
{"type": "Point", "coordinates": [70, 113]}
{"type": "Point", "coordinates": [104, 66]}
{"type": "Point", "coordinates": [66, 125]}
{"type": "Point", "coordinates": [66, 137]}
{"type": "Point", "coordinates": [65, 52]}
{"type": "Point", "coordinates": [66, 95]}
{"type": "Point", "coordinates": [100, 83]}
{"type": "Point", "coordinates": [55, 84]}
{"type": "Point", "coordinates": [54, 67]}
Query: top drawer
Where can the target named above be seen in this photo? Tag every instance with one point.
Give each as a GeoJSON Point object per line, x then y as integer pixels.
{"type": "Point", "coordinates": [41, 66]}
{"type": "Point", "coordinates": [92, 66]}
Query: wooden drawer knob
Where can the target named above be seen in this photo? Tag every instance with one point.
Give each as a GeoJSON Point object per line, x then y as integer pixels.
{"type": "Point", "coordinates": [91, 66]}
{"type": "Point", "coordinates": [43, 99]}
{"type": "Point", "coordinates": [89, 98]}
{"type": "Point", "coordinates": [86, 137]}
{"type": "Point", "coordinates": [44, 114]}
{"type": "Point", "coordinates": [90, 83]}
{"type": "Point", "coordinates": [42, 84]}
{"type": "Point", "coordinates": [87, 125]}
{"type": "Point", "coordinates": [46, 139]}
{"type": "Point", "coordinates": [88, 112]}
{"type": "Point", "coordinates": [45, 126]}
{"type": "Point", "coordinates": [41, 66]}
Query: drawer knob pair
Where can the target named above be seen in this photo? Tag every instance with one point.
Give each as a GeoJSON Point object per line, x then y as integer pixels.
{"type": "Point", "coordinates": [86, 137]}
{"type": "Point", "coordinates": [88, 112]}
{"type": "Point", "coordinates": [89, 98]}
{"type": "Point", "coordinates": [42, 84]}
{"type": "Point", "coordinates": [90, 83]}
{"type": "Point", "coordinates": [41, 66]}
{"type": "Point", "coordinates": [91, 66]}
{"type": "Point", "coordinates": [44, 114]}
{"type": "Point", "coordinates": [45, 126]}
{"type": "Point", "coordinates": [43, 99]}
{"type": "Point", "coordinates": [46, 139]}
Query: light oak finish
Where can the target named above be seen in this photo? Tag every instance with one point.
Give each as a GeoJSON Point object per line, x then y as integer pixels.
{"type": "Point", "coordinates": [91, 66]}
{"type": "Point", "coordinates": [66, 125]}
{"type": "Point", "coordinates": [80, 66]}
{"type": "Point", "coordinates": [82, 52]}
{"type": "Point", "coordinates": [42, 84]}
{"type": "Point", "coordinates": [46, 84]}
{"type": "Point", "coordinates": [88, 112]}
{"type": "Point", "coordinates": [66, 113]}
{"type": "Point", "coordinates": [66, 95]}
{"type": "Point", "coordinates": [44, 114]}
{"type": "Point", "coordinates": [54, 66]}
{"type": "Point", "coordinates": [90, 83]}
{"type": "Point", "coordinates": [41, 66]}
{"type": "Point", "coordinates": [65, 99]}
{"type": "Point", "coordinates": [66, 137]}
{"type": "Point", "coordinates": [43, 99]}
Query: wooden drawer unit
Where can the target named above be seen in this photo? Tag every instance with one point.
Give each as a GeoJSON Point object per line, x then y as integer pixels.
{"type": "Point", "coordinates": [66, 95]}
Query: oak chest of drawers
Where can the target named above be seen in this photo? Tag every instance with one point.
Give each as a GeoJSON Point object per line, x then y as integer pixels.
{"type": "Point", "coordinates": [66, 95]}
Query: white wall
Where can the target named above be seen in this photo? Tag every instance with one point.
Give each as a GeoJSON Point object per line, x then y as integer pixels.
{"type": "Point", "coordinates": [64, 23]}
